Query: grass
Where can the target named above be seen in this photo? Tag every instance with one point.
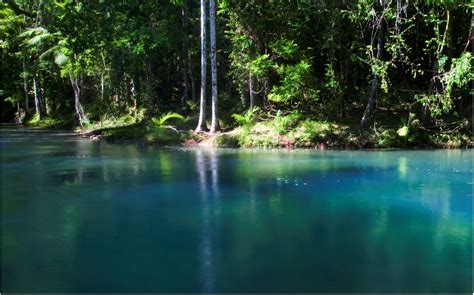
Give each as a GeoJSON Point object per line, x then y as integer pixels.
{"type": "Point", "coordinates": [48, 122]}
{"type": "Point", "coordinates": [289, 131]}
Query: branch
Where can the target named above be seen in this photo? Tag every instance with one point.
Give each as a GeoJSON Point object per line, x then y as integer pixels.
{"type": "Point", "coordinates": [18, 10]}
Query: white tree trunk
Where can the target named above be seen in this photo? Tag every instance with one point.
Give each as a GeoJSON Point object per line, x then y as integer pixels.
{"type": "Point", "coordinates": [212, 18]}
{"type": "Point", "coordinates": [35, 91]}
{"type": "Point", "coordinates": [202, 108]}
{"type": "Point", "coordinates": [25, 86]}
{"type": "Point", "coordinates": [81, 116]}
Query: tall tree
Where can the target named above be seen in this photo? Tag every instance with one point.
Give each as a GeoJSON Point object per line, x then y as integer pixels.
{"type": "Point", "coordinates": [202, 107]}
{"type": "Point", "coordinates": [375, 54]}
{"type": "Point", "coordinates": [212, 23]}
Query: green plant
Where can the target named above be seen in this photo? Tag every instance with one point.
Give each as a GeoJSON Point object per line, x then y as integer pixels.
{"type": "Point", "coordinates": [283, 123]}
{"type": "Point", "coordinates": [247, 119]}
{"type": "Point", "coordinates": [161, 121]}
{"type": "Point", "coordinates": [387, 138]}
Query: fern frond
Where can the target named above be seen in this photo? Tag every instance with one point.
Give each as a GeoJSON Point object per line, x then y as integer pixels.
{"type": "Point", "coordinates": [166, 117]}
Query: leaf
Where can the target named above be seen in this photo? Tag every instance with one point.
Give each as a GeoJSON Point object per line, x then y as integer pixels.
{"type": "Point", "coordinates": [32, 31]}
{"type": "Point", "coordinates": [403, 132]}
{"type": "Point", "coordinates": [60, 59]}
{"type": "Point", "coordinates": [37, 40]}
{"type": "Point", "coordinates": [165, 117]}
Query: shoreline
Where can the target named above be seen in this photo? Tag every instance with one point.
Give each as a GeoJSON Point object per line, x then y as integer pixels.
{"type": "Point", "coordinates": [190, 139]}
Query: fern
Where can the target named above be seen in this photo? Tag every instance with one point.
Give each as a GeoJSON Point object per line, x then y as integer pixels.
{"type": "Point", "coordinates": [282, 123]}
{"type": "Point", "coordinates": [246, 120]}
{"type": "Point", "coordinates": [161, 121]}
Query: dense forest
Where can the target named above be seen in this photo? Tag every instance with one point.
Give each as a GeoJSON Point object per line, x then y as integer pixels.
{"type": "Point", "coordinates": [287, 73]}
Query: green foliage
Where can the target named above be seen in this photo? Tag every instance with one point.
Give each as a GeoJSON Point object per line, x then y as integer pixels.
{"type": "Point", "coordinates": [387, 138]}
{"type": "Point", "coordinates": [166, 117]}
{"type": "Point", "coordinates": [247, 119]}
{"type": "Point", "coordinates": [282, 124]}
{"type": "Point", "coordinates": [403, 131]}
{"type": "Point", "coordinates": [458, 76]}
{"type": "Point", "coordinates": [261, 65]}
{"type": "Point", "coordinates": [285, 48]}
{"type": "Point", "coordinates": [44, 122]}
{"type": "Point", "coordinates": [296, 85]}
{"type": "Point", "coordinates": [310, 132]}
{"type": "Point", "coordinates": [314, 58]}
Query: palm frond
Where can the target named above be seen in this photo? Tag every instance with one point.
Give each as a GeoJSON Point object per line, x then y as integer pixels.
{"type": "Point", "coordinates": [60, 58]}
{"type": "Point", "coordinates": [51, 51]}
{"type": "Point", "coordinates": [37, 40]}
{"type": "Point", "coordinates": [32, 31]}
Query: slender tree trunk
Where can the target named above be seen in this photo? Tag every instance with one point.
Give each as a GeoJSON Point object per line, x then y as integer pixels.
{"type": "Point", "coordinates": [102, 87]}
{"type": "Point", "coordinates": [42, 99]}
{"type": "Point", "coordinates": [371, 100]}
{"type": "Point", "coordinates": [25, 86]}
{"type": "Point", "coordinates": [446, 43]}
{"type": "Point", "coordinates": [35, 91]}
{"type": "Point", "coordinates": [212, 17]}
{"type": "Point", "coordinates": [133, 92]}
{"type": "Point", "coordinates": [202, 108]}
{"type": "Point", "coordinates": [81, 116]}
{"type": "Point", "coordinates": [251, 92]}
{"type": "Point", "coordinates": [448, 35]}
{"type": "Point", "coordinates": [469, 36]}
{"type": "Point", "coordinates": [193, 83]}
{"type": "Point", "coordinates": [397, 16]}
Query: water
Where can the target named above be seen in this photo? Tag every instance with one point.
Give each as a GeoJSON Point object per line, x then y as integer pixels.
{"type": "Point", "coordinates": [82, 216]}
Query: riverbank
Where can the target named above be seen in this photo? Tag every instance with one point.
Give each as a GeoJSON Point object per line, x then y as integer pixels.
{"type": "Point", "coordinates": [289, 134]}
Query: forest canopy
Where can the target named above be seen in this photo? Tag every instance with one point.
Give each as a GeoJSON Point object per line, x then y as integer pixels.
{"type": "Point", "coordinates": [398, 69]}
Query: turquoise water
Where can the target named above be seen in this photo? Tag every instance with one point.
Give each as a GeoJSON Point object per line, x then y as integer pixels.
{"type": "Point", "coordinates": [83, 216]}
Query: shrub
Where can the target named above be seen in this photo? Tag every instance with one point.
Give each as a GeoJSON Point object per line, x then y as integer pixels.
{"type": "Point", "coordinates": [247, 119]}
{"type": "Point", "coordinates": [282, 124]}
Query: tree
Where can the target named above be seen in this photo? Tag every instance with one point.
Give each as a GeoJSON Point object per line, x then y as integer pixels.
{"type": "Point", "coordinates": [212, 22]}
{"type": "Point", "coordinates": [375, 56]}
{"type": "Point", "coordinates": [202, 107]}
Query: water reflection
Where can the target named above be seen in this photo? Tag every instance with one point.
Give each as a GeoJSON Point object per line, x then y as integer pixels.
{"type": "Point", "coordinates": [206, 160]}
{"type": "Point", "coordinates": [93, 217]}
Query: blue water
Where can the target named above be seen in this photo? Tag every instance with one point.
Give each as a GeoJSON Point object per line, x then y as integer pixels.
{"type": "Point", "coordinates": [83, 216]}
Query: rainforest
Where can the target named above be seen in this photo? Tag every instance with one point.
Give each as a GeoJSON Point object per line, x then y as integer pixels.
{"type": "Point", "coordinates": [303, 73]}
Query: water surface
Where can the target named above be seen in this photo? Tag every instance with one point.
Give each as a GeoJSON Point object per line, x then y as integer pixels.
{"type": "Point", "coordinates": [83, 216]}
